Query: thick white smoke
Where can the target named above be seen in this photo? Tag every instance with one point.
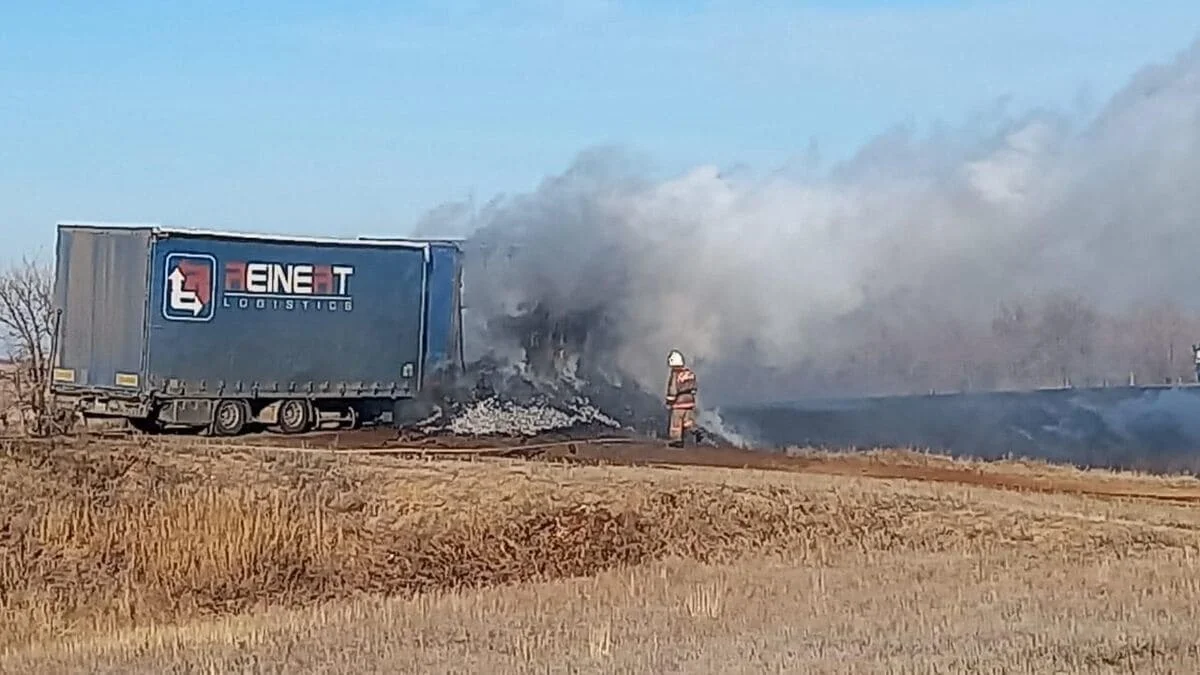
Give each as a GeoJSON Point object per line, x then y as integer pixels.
{"type": "Point", "coordinates": [1015, 249]}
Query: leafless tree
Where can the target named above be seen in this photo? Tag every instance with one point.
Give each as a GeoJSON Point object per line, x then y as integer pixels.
{"type": "Point", "coordinates": [27, 323]}
{"type": "Point", "coordinates": [1065, 335]}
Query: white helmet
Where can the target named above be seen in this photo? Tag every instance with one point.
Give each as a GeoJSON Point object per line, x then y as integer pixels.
{"type": "Point", "coordinates": [675, 358]}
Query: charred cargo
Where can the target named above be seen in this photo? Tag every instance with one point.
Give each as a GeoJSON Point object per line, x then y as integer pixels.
{"type": "Point", "coordinates": [222, 330]}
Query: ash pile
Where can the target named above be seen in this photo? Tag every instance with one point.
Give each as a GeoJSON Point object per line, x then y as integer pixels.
{"type": "Point", "coordinates": [495, 400]}
{"type": "Point", "coordinates": [549, 391]}
{"type": "Point", "coordinates": [492, 399]}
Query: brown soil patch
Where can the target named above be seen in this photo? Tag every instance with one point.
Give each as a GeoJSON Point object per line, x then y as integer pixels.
{"type": "Point", "coordinates": [894, 465]}
{"type": "Point", "coordinates": [867, 466]}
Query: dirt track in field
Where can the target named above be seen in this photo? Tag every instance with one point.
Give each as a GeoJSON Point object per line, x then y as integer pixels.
{"type": "Point", "coordinates": [642, 452]}
{"type": "Point", "coordinates": [866, 467]}
{"type": "Point", "coordinates": [637, 452]}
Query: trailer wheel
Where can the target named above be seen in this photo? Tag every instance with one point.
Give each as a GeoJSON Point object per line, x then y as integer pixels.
{"type": "Point", "coordinates": [230, 417]}
{"type": "Point", "coordinates": [145, 425]}
{"type": "Point", "coordinates": [295, 416]}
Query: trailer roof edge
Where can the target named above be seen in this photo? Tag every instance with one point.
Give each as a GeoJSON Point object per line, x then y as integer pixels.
{"type": "Point", "coordinates": [252, 236]}
{"type": "Point", "coordinates": [371, 237]}
{"type": "Point", "coordinates": [106, 224]}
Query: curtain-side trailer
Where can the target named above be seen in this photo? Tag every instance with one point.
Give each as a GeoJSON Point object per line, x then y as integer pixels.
{"type": "Point", "coordinates": [173, 327]}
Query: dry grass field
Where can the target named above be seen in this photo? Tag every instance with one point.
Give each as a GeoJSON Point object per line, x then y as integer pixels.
{"type": "Point", "coordinates": [115, 558]}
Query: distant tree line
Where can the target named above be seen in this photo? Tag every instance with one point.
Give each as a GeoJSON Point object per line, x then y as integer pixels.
{"type": "Point", "coordinates": [1054, 341]}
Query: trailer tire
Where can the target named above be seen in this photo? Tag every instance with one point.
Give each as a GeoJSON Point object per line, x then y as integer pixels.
{"type": "Point", "coordinates": [145, 425]}
{"type": "Point", "coordinates": [295, 416]}
{"type": "Point", "coordinates": [230, 417]}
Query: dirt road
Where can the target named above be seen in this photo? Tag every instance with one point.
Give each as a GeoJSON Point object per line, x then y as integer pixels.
{"type": "Point", "coordinates": [1012, 477]}
{"type": "Point", "coordinates": [640, 452]}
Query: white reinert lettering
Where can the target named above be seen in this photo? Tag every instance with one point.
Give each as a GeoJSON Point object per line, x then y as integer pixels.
{"type": "Point", "coordinates": [283, 279]}
{"type": "Point", "coordinates": [342, 272]}
{"type": "Point", "coordinates": [302, 279]}
{"type": "Point", "coordinates": [258, 277]}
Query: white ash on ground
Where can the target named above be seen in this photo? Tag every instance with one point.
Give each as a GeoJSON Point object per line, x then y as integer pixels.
{"type": "Point", "coordinates": [495, 416]}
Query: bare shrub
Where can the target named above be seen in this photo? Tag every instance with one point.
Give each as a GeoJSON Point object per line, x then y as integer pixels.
{"type": "Point", "coordinates": [27, 325]}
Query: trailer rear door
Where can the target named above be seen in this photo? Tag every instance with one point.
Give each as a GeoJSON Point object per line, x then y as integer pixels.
{"type": "Point", "coordinates": [100, 287]}
{"type": "Point", "coordinates": [444, 309]}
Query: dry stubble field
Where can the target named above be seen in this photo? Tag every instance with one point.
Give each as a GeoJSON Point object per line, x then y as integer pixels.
{"type": "Point", "coordinates": [125, 559]}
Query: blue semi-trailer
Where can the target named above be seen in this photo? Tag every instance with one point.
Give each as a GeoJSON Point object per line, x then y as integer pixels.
{"type": "Point", "coordinates": [221, 331]}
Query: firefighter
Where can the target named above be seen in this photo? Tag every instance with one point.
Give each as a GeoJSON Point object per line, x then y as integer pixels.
{"type": "Point", "coordinates": [1196, 357]}
{"type": "Point", "coordinates": [681, 399]}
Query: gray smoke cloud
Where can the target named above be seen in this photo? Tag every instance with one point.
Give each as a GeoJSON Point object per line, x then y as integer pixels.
{"type": "Point", "coordinates": [1013, 250]}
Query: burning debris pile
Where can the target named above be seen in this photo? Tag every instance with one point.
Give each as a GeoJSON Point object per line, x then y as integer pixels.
{"type": "Point", "coordinates": [553, 388]}
{"type": "Point", "coordinates": [492, 399]}
{"type": "Point", "coordinates": [547, 408]}
{"type": "Point", "coordinates": [495, 416]}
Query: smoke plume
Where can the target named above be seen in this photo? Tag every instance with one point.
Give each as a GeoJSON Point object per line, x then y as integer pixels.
{"type": "Point", "coordinates": [1015, 250]}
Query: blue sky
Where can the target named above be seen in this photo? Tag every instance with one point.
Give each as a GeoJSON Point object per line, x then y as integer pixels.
{"type": "Point", "coordinates": [356, 117]}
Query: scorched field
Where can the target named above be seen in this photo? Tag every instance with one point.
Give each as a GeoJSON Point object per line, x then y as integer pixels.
{"type": "Point", "coordinates": [177, 556]}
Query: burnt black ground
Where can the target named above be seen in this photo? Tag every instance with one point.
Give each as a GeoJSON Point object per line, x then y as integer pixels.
{"type": "Point", "coordinates": [1156, 429]}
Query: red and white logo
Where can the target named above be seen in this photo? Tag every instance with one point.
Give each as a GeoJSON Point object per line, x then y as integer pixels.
{"type": "Point", "coordinates": [189, 287]}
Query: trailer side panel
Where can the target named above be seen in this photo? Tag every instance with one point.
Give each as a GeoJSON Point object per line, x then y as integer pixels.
{"type": "Point", "coordinates": [279, 319]}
